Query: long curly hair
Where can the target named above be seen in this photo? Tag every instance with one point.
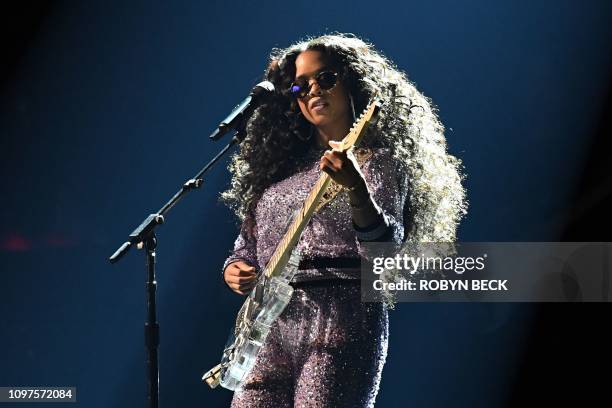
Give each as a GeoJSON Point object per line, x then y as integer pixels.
{"type": "Point", "coordinates": [277, 135]}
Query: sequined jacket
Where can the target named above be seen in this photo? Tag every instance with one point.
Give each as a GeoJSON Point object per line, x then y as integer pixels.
{"type": "Point", "coordinates": [331, 232]}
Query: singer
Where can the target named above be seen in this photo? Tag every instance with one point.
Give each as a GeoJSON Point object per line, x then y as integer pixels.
{"type": "Point", "coordinates": [328, 348]}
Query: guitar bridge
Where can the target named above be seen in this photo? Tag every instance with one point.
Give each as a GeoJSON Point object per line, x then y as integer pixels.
{"type": "Point", "coordinates": [213, 376]}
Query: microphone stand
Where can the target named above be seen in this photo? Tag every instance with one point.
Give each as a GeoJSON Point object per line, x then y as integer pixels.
{"type": "Point", "coordinates": [144, 237]}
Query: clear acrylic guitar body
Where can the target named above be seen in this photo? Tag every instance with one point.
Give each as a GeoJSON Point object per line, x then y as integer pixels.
{"type": "Point", "coordinates": [253, 325]}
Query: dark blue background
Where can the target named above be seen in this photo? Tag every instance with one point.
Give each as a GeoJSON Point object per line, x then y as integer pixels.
{"type": "Point", "coordinates": [105, 112]}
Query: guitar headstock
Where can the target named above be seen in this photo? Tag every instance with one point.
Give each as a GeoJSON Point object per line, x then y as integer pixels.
{"type": "Point", "coordinates": [356, 132]}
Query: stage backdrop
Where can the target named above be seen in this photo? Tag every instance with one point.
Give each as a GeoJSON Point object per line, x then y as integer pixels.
{"type": "Point", "coordinates": [105, 111]}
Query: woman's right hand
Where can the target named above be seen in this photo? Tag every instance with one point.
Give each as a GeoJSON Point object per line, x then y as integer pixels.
{"type": "Point", "coordinates": [240, 277]}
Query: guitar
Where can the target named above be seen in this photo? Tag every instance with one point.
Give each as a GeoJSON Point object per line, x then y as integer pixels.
{"type": "Point", "coordinates": [272, 292]}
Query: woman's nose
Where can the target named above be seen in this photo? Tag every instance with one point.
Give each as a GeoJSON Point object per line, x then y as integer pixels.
{"type": "Point", "coordinates": [314, 89]}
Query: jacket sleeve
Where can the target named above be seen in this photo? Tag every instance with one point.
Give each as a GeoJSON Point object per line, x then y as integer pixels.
{"type": "Point", "coordinates": [388, 187]}
{"type": "Point", "coordinates": [245, 246]}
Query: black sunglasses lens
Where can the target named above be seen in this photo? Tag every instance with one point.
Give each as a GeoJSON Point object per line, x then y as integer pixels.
{"type": "Point", "coordinates": [327, 80]}
{"type": "Point", "coordinates": [298, 90]}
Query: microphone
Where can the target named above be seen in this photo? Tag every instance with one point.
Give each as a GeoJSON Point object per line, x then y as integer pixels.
{"type": "Point", "coordinates": [242, 112]}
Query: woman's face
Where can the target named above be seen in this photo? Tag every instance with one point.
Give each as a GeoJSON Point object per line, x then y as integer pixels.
{"type": "Point", "coordinates": [322, 108]}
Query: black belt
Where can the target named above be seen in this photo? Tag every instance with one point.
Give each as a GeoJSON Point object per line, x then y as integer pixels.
{"type": "Point", "coordinates": [338, 263]}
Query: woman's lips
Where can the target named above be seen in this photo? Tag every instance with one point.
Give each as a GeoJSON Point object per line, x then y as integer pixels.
{"type": "Point", "coordinates": [317, 106]}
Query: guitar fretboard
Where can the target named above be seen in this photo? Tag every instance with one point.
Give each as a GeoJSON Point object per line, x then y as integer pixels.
{"type": "Point", "coordinates": [283, 249]}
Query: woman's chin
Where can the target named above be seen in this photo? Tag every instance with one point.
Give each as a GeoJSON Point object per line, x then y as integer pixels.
{"type": "Point", "coordinates": [321, 120]}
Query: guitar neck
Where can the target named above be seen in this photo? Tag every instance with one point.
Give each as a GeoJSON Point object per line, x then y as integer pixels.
{"type": "Point", "coordinates": [283, 250]}
{"type": "Point", "coordinates": [300, 220]}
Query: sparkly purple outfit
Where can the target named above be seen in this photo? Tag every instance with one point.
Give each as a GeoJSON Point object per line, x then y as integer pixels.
{"type": "Point", "coordinates": [328, 348]}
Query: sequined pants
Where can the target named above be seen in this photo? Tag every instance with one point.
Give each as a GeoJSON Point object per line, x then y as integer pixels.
{"type": "Point", "coordinates": [327, 349]}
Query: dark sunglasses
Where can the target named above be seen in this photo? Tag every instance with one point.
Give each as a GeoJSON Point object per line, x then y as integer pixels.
{"type": "Point", "coordinates": [325, 79]}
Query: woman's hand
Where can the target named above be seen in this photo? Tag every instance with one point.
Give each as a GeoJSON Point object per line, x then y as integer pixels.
{"type": "Point", "coordinates": [240, 277]}
{"type": "Point", "coordinates": [341, 166]}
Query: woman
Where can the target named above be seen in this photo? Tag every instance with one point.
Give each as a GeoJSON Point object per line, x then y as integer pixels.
{"type": "Point", "coordinates": [328, 348]}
